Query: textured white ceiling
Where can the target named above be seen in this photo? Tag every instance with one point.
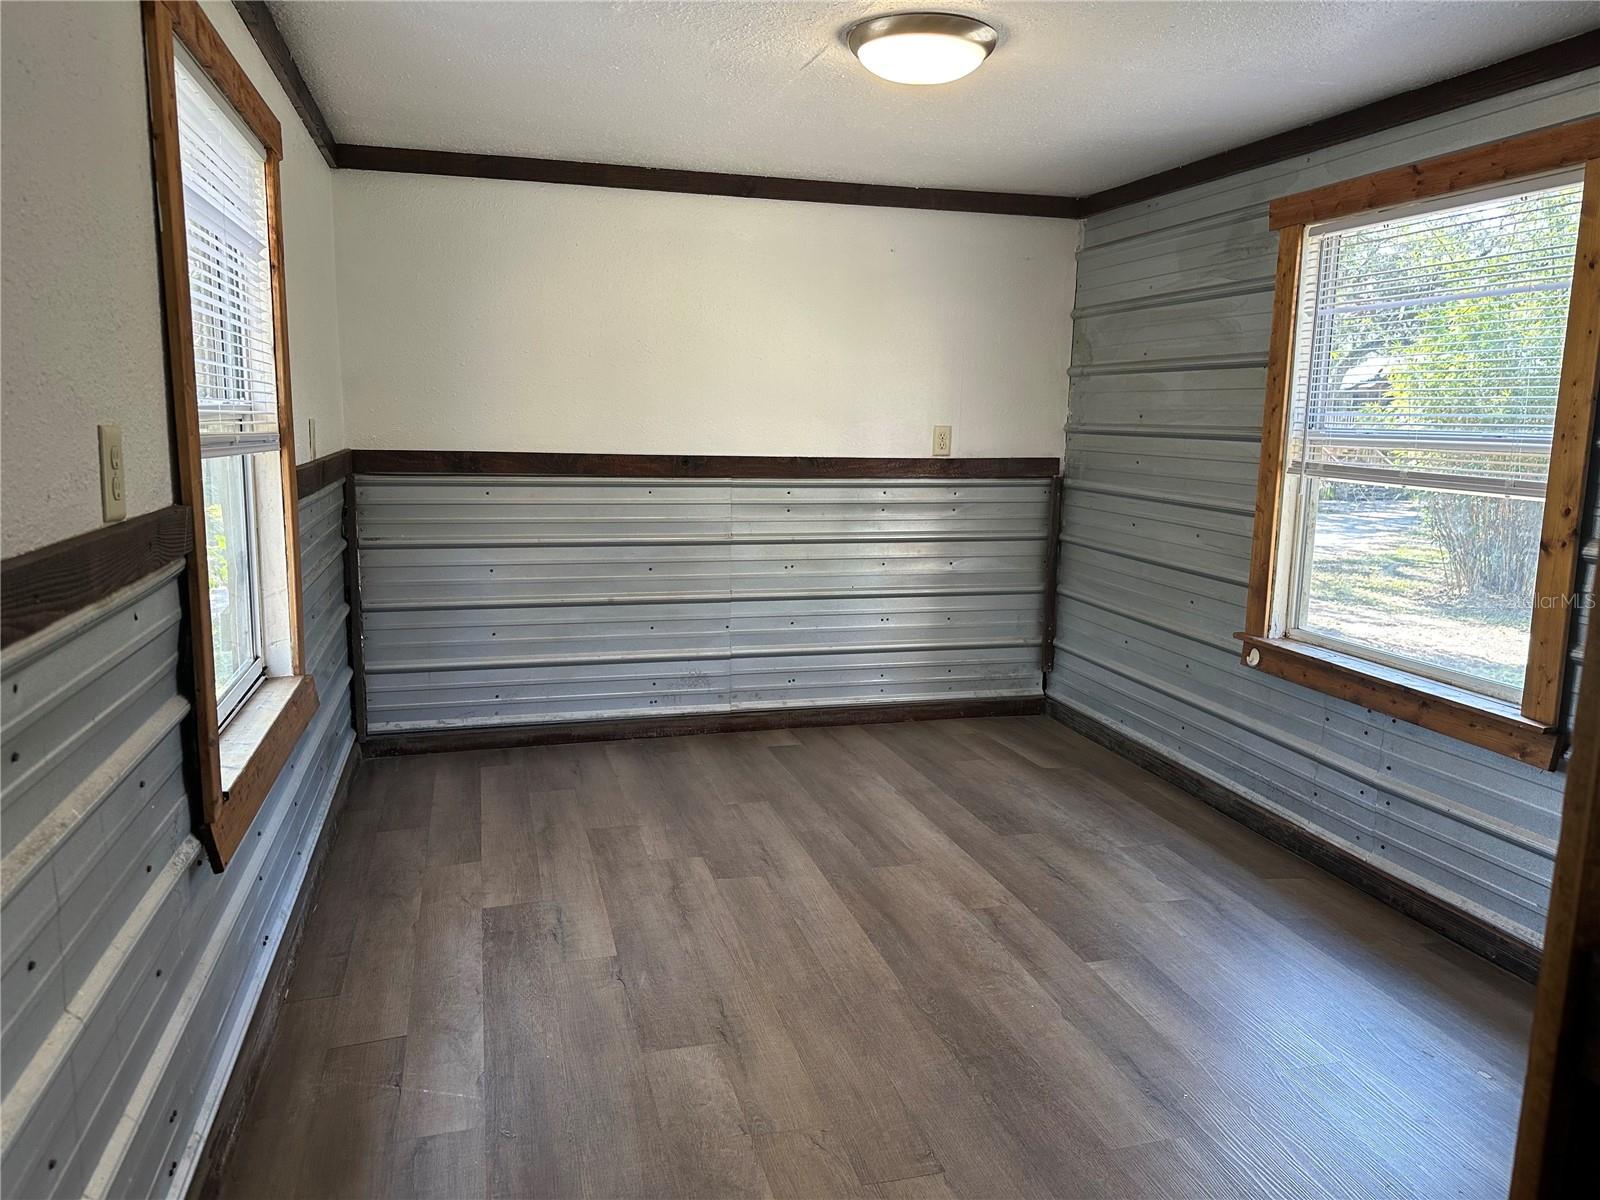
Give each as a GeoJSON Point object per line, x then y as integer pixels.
{"type": "Point", "coordinates": [1078, 96]}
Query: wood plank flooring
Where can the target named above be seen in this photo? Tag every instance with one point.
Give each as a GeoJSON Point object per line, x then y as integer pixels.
{"type": "Point", "coordinates": [975, 958]}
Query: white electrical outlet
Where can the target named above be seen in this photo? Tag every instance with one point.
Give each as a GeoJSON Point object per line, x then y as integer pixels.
{"type": "Point", "coordinates": [113, 478]}
{"type": "Point", "coordinates": [941, 441]}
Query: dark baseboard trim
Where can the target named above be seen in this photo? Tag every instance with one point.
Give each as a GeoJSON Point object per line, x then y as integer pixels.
{"type": "Point", "coordinates": [39, 588]}
{"type": "Point", "coordinates": [1554, 61]}
{"type": "Point", "coordinates": [1466, 930]}
{"type": "Point", "coordinates": [507, 737]}
{"type": "Point", "coordinates": [698, 183]}
{"type": "Point", "coordinates": [692, 466]}
{"type": "Point", "coordinates": [312, 477]}
{"type": "Point", "coordinates": [247, 1068]}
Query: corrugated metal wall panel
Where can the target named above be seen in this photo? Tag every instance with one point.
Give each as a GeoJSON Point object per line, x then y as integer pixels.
{"type": "Point", "coordinates": [131, 970]}
{"type": "Point", "coordinates": [1163, 439]}
{"type": "Point", "coordinates": [515, 601]}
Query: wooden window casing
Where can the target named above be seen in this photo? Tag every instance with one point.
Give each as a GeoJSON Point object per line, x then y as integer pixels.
{"type": "Point", "coordinates": [235, 769]}
{"type": "Point", "coordinates": [1526, 731]}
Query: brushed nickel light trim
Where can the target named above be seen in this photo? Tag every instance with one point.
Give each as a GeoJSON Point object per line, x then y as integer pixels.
{"type": "Point", "coordinates": [934, 48]}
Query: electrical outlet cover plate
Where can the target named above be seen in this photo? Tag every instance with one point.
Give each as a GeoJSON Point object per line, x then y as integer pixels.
{"type": "Point", "coordinates": [113, 476]}
{"type": "Point", "coordinates": [941, 441]}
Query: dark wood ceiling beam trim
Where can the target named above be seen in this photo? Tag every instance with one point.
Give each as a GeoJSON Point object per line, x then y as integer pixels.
{"type": "Point", "coordinates": [698, 183]}
{"type": "Point", "coordinates": [1574, 54]}
{"type": "Point", "coordinates": [1559, 59]}
{"type": "Point", "coordinates": [691, 466]}
{"type": "Point", "coordinates": [269, 40]}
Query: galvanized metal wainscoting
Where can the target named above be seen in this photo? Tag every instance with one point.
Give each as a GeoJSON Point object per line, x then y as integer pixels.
{"type": "Point", "coordinates": [131, 970]}
{"type": "Point", "coordinates": [1168, 377]}
{"type": "Point", "coordinates": [495, 601]}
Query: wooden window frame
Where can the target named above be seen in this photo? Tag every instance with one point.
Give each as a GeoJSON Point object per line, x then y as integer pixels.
{"type": "Point", "coordinates": [1527, 731]}
{"type": "Point", "coordinates": [237, 765]}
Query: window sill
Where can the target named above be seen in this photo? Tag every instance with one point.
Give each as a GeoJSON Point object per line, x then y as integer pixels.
{"type": "Point", "coordinates": [1457, 713]}
{"type": "Point", "coordinates": [253, 747]}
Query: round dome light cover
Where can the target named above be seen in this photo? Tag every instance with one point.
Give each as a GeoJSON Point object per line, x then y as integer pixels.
{"type": "Point", "coordinates": [921, 48]}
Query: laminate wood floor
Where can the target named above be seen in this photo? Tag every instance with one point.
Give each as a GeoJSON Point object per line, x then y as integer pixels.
{"type": "Point", "coordinates": [975, 958]}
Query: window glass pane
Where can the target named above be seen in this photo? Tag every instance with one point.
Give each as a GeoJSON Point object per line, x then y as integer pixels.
{"type": "Point", "coordinates": [230, 571]}
{"type": "Point", "coordinates": [225, 216]}
{"type": "Point", "coordinates": [230, 281]}
{"type": "Point", "coordinates": [1427, 367]}
{"type": "Point", "coordinates": [1434, 342]}
{"type": "Point", "coordinates": [1440, 579]}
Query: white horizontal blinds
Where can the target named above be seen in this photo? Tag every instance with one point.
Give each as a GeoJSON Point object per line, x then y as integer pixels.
{"type": "Point", "coordinates": [1429, 344]}
{"type": "Point", "coordinates": [230, 282]}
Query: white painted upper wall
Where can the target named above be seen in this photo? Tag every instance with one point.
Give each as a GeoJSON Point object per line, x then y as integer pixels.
{"type": "Point", "coordinates": [82, 333]}
{"type": "Point", "coordinates": [484, 314]}
{"type": "Point", "coordinates": [494, 314]}
{"type": "Point", "coordinates": [80, 339]}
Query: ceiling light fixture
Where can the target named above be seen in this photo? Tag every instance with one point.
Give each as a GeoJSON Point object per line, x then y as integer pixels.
{"type": "Point", "coordinates": [921, 48]}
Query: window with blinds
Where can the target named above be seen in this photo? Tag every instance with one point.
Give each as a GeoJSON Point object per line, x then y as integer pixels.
{"type": "Point", "coordinates": [230, 289]}
{"type": "Point", "coordinates": [1427, 363]}
{"type": "Point", "coordinates": [230, 279]}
